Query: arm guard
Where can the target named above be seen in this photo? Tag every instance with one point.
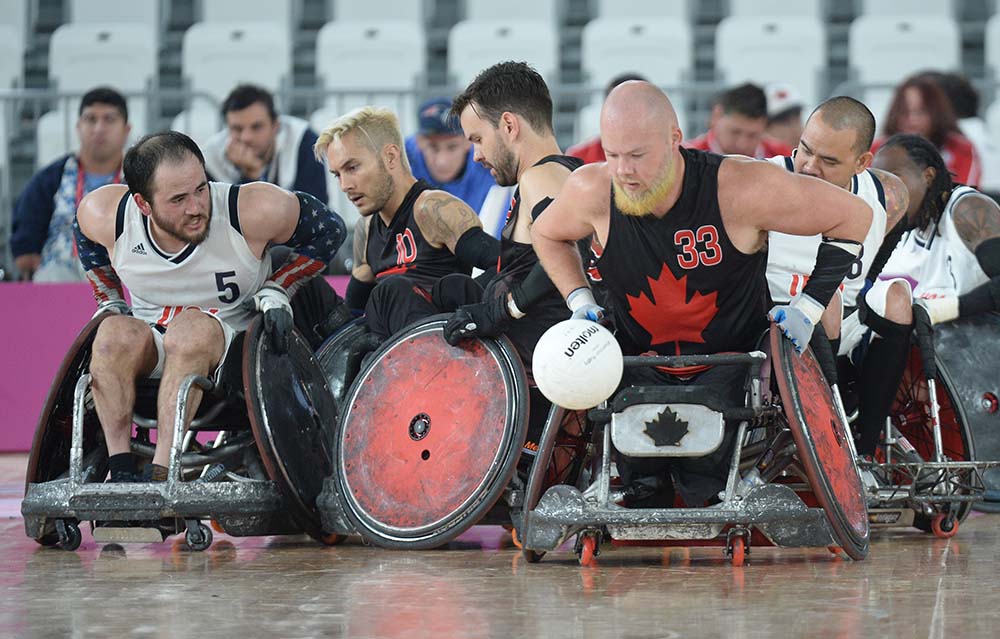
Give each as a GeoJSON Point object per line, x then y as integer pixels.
{"type": "Point", "coordinates": [317, 236]}
{"type": "Point", "coordinates": [477, 248]}
{"type": "Point", "coordinates": [97, 266]}
{"type": "Point", "coordinates": [833, 262]}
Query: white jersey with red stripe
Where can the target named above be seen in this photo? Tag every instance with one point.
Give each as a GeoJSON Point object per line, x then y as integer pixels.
{"type": "Point", "coordinates": [216, 276]}
{"type": "Point", "coordinates": [937, 259]}
{"type": "Point", "coordinates": [791, 258]}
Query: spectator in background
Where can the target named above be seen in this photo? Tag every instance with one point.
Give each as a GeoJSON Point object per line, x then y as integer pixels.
{"type": "Point", "coordinates": [784, 114]}
{"type": "Point", "coordinates": [42, 227]}
{"type": "Point", "coordinates": [921, 107]}
{"type": "Point", "coordinates": [440, 155]}
{"type": "Point", "coordinates": [258, 145]}
{"type": "Point", "coordinates": [591, 150]}
{"type": "Point", "coordinates": [964, 100]}
{"type": "Point", "coordinates": [736, 127]}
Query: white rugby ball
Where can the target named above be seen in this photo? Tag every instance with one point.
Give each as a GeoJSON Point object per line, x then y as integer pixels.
{"type": "Point", "coordinates": [577, 364]}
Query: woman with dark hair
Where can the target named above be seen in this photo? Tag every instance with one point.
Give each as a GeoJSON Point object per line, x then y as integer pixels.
{"type": "Point", "coordinates": [921, 107]}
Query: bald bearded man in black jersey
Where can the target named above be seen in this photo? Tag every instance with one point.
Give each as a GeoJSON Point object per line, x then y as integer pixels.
{"type": "Point", "coordinates": [683, 235]}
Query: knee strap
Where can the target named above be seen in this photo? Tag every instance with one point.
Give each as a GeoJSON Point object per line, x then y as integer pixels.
{"type": "Point", "coordinates": [887, 329]}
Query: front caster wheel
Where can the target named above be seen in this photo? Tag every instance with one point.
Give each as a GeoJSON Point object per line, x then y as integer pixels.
{"type": "Point", "coordinates": [198, 537]}
{"type": "Point", "coordinates": [69, 534]}
{"type": "Point", "coordinates": [944, 526]}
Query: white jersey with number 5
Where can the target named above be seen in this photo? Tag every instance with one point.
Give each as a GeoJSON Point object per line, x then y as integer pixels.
{"type": "Point", "coordinates": [216, 276]}
{"type": "Point", "coordinates": [938, 260]}
{"type": "Point", "coordinates": [791, 258]}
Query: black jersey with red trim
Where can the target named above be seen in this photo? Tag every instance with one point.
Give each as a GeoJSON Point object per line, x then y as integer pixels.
{"type": "Point", "coordinates": [400, 247]}
{"type": "Point", "coordinates": [516, 261]}
{"type": "Point", "coordinates": [676, 284]}
{"type": "Point", "coordinates": [516, 258]}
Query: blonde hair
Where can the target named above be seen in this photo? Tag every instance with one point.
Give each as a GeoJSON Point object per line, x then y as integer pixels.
{"type": "Point", "coordinates": [378, 127]}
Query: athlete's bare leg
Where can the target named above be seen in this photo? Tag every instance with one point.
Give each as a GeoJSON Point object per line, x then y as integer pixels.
{"type": "Point", "coordinates": [123, 351]}
{"type": "Point", "coordinates": [193, 344]}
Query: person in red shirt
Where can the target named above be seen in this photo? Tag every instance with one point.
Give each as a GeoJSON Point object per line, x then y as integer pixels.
{"type": "Point", "coordinates": [737, 124]}
{"type": "Point", "coordinates": [591, 151]}
{"type": "Point", "coordinates": [921, 107]}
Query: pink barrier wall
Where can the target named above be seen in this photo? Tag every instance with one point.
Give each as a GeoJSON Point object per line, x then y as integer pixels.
{"type": "Point", "coordinates": [38, 322]}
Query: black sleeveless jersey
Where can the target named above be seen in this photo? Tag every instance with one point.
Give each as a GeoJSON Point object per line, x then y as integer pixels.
{"type": "Point", "coordinates": [516, 259]}
{"type": "Point", "coordinates": [676, 284]}
{"type": "Point", "coordinates": [400, 247]}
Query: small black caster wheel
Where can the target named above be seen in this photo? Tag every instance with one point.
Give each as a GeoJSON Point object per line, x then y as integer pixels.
{"type": "Point", "coordinates": [69, 534]}
{"type": "Point", "coordinates": [199, 537]}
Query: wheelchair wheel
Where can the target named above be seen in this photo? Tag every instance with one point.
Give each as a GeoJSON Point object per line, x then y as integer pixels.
{"type": "Point", "coordinates": [910, 415]}
{"type": "Point", "coordinates": [49, 456]}
{"type": "Point", "coordinates": [822, 445]}
{"type": "Point", "coordinates": [291, 413]}
{"type": "Point", "coordinates": [430, 436]}
{"type": "Point", "coordinates": [340, 358]}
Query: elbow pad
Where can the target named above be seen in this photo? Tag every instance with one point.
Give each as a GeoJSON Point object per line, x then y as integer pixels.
{"type": "Point", "coordinates": [477, 248]}
{"type": "Point", "coordinates": [833, 263]}
{"type": "Point", "coordinates": [988, 255]}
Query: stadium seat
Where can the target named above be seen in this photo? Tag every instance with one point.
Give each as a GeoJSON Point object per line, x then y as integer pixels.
{"type": "Point", "coordinates": [644, 9]}
{"type": "Point", "coordinates": [991, 44]}
{"type": "Point", "coordinates": [147, 12]}
{"type": "Point", "coordinates": [377, 63]}
{"type": "Point", "coordinates": [120, 55]}
{"type": "Point", "coordinates": [659, 49]}
{"type": "Point", "coordinates": [777, 8]}
{"type": "Point", "coordinates": [272, 11]}
{"type": "Point", "coordinates": [217, 57]}
{"type": "Point", "coordinates": [474, 45]}
{"type": "Point", "coordinates": [369, 10]}
{"type": "Point", "coordinates": [199, 122]}
{"type": "Point", "coordinates": [55, 135]}
{"type": "Point", "coordinates": [945, 8]}
{"type": "Point", "coordinates": [524, 10]}
{"type": "Point", "coordinates": [884, 50]}
{"type": "Point", "coordinates": [771, 49]}
{"type": "Point", "coordinates": [11, 56]}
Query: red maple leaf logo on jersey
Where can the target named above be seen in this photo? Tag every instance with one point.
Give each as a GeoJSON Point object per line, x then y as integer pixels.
{"type": "Point", "coordinates": [668, 315]}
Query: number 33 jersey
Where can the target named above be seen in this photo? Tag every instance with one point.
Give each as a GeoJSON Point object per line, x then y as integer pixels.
{"type": "Point", "coordinates": [215, 276]}
{"type": "Point", "coordinates": [791, 258]}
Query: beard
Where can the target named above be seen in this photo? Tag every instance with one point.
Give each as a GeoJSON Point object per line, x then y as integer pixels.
{"type": "Point", "coordinates": [644, 202]}
{"type": "Point", "coordinates": [178, 232]}
{"type": "Point", "coordinates": [381, 192]}
{"type": "Point", "coordinates": [505, 166]}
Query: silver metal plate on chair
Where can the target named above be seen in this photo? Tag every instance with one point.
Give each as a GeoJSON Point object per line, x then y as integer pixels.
{"type": "Point", "coordinates": [667, 430]}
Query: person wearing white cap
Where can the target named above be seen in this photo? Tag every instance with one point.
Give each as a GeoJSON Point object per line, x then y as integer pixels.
{"type": "Point", "coordinates": [784, 113]}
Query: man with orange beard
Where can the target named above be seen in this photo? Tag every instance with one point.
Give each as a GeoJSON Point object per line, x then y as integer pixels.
{"type": "Point", "coordinates": [683, 235]}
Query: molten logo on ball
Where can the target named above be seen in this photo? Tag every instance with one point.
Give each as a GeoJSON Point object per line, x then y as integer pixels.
{"type": "Point", "coordinates": [577, 364]}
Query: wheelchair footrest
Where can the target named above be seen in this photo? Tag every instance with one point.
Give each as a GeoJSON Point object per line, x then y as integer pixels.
{"type": "Point", "coordinates": [138, 505]}
{"type": "Point", "coordinates": [127, 535]}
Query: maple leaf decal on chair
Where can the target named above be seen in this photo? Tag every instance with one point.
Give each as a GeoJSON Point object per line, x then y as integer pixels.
{"type": "Point", "coordinates": [668, 315]}
{"type": "Point", "coordinates": [667, 429]}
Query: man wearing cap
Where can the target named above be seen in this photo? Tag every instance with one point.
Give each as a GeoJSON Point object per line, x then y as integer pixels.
{"type": "Point", "coordinates": [784, 113]}
{"type": "Point", "coordinates": [440, 155]}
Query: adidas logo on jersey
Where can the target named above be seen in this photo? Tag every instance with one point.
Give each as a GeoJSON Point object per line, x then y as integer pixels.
{"type": "Point", "coordinates": [139, 249]}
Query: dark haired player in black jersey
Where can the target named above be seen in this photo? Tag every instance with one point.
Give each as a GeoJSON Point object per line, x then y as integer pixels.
{"type": "Point", "coordinates": [506, 112]}
{"type": "Point", "coordinates": [410, 235]}
{"type": "Point", "coordinates": [683, 235]}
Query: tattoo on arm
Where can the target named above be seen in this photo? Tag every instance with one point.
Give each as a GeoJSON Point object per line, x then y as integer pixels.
{"type": "Point", "coordinates": [977, 218]}
{"type": "Point", "coordinates": [361, 242]}
{"type": "Point", "coordinates": [443, 219]}
{"type": "Point", "coordinates": [897, 197]}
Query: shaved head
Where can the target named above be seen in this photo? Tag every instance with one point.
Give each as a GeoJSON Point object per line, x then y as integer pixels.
{"type": "Point", "coordinates": [841, 113]}
{"type": "Point", "coordinates": [638, 104]}
{"type": "Point", "coordinates": [641, 141]}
